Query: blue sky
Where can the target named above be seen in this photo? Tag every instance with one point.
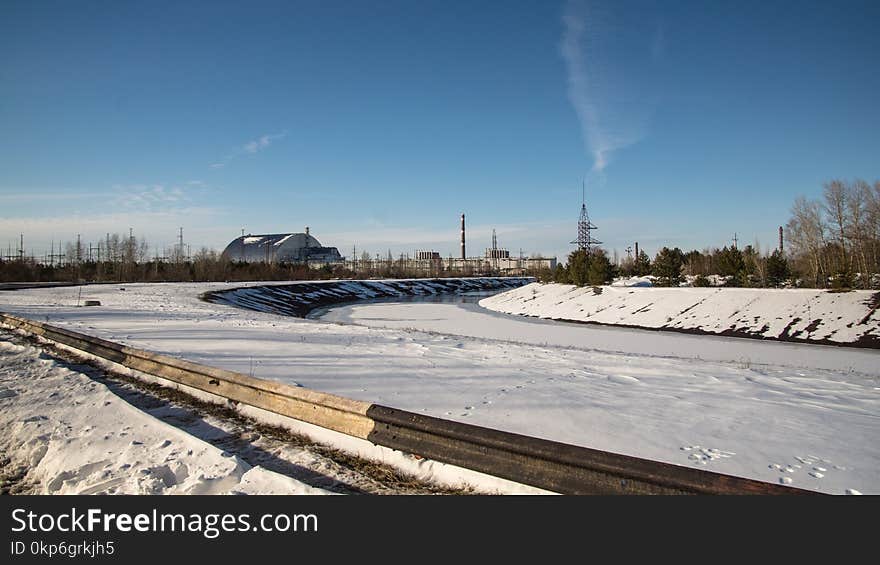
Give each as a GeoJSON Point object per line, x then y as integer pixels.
{"type": "Point", "coordinates": [377, 124]}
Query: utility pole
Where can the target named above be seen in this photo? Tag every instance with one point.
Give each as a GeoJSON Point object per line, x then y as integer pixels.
{"type": "Point", "coordinates": [180, 246]}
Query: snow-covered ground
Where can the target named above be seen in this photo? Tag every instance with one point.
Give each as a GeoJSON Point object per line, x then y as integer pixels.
{"type": "Point", "coordinates": [780, 415]}
{"type": "Point", "coordinates": [801, 314]}
{"type": "Point", "coordinates": [74, 436]}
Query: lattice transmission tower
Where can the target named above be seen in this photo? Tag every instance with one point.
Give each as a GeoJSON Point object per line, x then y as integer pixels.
{"type": "Point", "coordinates": [585, 240]}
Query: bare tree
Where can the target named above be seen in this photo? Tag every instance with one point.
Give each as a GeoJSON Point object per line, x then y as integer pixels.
{"type": "Point", "coordinates": [856, 203]}
{"type": "Point", "coordinates": [835, 195]}
{"type": "Point", "coordinates": [872, 225]}
{"type": "Point", "coordinates": [806, 234]}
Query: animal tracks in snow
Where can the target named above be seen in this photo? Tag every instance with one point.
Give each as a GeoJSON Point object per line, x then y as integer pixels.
{"type": "Point", "coordinates": [814, 466]}
{"type": "Point", "coordinates": [705, 455]}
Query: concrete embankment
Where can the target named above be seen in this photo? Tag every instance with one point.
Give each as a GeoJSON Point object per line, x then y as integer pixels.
{"type": "Point", "coordinates": [298, 299]}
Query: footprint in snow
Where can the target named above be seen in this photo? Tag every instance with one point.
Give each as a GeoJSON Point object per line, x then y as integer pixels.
{"type": "Point", "coordinates": [816, 471]}
{"type": "Point", "coordinates": [705, 455]}
{"type": "Point", "coordinates": [623, 379]}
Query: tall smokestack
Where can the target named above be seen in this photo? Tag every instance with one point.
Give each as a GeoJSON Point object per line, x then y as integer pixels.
{"type": "Point", "coordinates": [781, 248]}
{"type": "Point", "coordinates": [463, 254]}
{"type": "Point", "coordinates": [637, 251]}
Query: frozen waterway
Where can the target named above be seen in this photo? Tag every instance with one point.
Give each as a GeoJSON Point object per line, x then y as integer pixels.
{"type": "Point", "coordinates": [783, 419]}
{"type": "Point", "coordinates": [462, 316]}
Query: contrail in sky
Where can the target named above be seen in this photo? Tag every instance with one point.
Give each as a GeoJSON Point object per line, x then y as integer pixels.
{"type": "Point", "coordinates": [603, 96]}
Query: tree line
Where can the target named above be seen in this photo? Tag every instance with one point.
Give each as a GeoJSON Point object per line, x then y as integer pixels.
{"type": "Point", "coordinates": [835, 240]}
{"type": "Point", "coordinates": [832, 242]}
{"type": "Point", "coordinates": [127, 259]}
{"type": "Point", "coordinates": [729, 266]}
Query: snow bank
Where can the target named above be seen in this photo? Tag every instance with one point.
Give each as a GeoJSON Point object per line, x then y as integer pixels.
{"type": "Point", "coordinates": [839, 318]}
{"type": "Point", "coordinates": [633, 281]}
{"type": "Point", "coordinates": [76, 437]}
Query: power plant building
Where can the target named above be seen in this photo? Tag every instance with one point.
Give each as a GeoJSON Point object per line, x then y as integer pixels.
{"type": "Point", "coordinates": [280, 248]}
{"type": "Point", "coordinates": [303, 248]}
{"type": "Point", "coordinates": [494, 260]}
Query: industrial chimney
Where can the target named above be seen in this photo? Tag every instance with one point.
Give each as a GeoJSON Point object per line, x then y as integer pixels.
{"type": "Point", "coordinates": [463, 254]}
{"type": "Point", "coordinates": [781, 249]}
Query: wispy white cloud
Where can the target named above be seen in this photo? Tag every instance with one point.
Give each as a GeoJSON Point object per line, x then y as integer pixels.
{"type": "Point", "coordinates": [26, 196]}
{"type": "Point", "coordinates": [608, 100]}
{"type": "Point", "coordinates": [262, 142]}
{"type": "Point", "coordinates": [251, 147]}
{"type": "Point", "coordinates": [154, 210]}
{"type": "Point", "coordinates": [203, 225]}
{"type": "Point", "coordinates": [158, 197]}
{"type": "Point", "coordinates": [147, 197]}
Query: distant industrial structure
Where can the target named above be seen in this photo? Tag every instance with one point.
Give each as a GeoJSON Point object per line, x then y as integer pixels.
{"type": "Point", "coordinates": [303, 248]}
{"type": "Point", "coordinates": [281, 248]}
{"type": "Point", "coordinates": [494, 260]}
{"type": "Point", "coordinates": [585, 240]}
{"type": "Point", "coordinates": [463, 254]}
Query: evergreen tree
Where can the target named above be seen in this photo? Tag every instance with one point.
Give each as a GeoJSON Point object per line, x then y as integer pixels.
{"type": "Point", "coordinates": [560, 275]}
{"type": "Point", "coordinates": [578, 265]}
{"type": "Point", "coordinates": [667, 266]}
{"type": "Point", "coordinates": [729, 261]}
{"type": "Point", "coordinates": [588, 268]}
{"type": "Point", "coordinates": [751, 266]}
{"type": "Point", "coordinates": [777, 269]}
{"type": "Point", "coordinates": [600, 270]}
{"type": "Point", "coordinates": [642, 265]}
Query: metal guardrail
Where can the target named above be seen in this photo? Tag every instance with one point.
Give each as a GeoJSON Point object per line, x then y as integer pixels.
{"type": "Point", "coordinates": [549, 465]}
